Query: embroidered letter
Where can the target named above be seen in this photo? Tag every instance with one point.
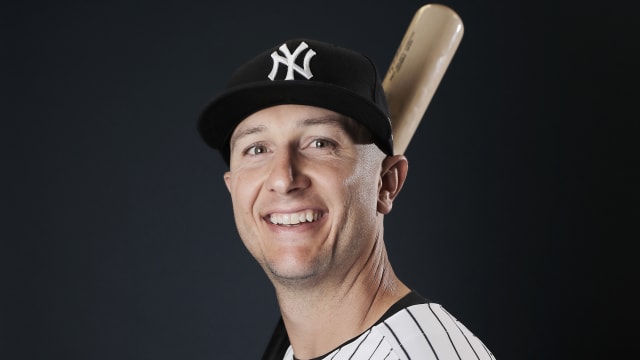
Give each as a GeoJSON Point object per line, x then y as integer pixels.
{"type": "Point", "coordinates": [290, 60]}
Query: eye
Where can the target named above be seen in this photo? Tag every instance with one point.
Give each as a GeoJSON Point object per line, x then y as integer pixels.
{"type": "Point", "coordinates": [321, 143]}
{"type": "Point", "coordinates": [256, 149]}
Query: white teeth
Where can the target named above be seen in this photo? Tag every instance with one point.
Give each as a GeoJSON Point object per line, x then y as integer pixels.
{"type": "Point", "coordinates": [295, 218]}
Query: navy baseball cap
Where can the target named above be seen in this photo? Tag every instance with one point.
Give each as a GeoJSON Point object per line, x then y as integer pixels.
{"type": "Point", "coordinates": [303, 72]}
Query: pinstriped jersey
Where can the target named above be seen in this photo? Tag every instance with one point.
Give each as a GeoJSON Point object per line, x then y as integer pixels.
{"type": "Point", "coordinates": [418, 332]}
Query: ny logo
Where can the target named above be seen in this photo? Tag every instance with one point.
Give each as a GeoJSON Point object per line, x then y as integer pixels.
{"type": "Point", "coordinates": [289, 59]}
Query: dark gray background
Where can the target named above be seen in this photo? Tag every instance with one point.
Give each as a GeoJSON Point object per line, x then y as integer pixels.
{"type": "Point", "coordinates": [117, 235]}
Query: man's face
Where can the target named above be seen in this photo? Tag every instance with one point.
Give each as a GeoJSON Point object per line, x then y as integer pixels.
{"type": "Point", "coordinates": [304, 192]}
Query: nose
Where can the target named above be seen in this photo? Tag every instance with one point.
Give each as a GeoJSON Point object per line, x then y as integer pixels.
{"type": "Point", "coordinates": [286, 173]}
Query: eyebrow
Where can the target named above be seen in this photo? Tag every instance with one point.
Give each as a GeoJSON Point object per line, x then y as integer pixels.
{"type": "Point", "coordinates": [245, 132]}
{"type": "Point", "coordinates": [333, 120]}
{"type": "Point", "coordinates": [355, 130]}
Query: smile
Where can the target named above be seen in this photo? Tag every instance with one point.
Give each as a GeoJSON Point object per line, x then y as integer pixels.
{"type": "Point", "coordinates": [295, 218]}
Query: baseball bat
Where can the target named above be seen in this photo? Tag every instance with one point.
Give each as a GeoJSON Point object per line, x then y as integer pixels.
{"type": "Point", "coordinates": [419, 64]}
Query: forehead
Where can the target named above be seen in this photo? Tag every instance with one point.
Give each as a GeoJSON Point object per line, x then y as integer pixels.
{"type": "Point", "coordinates": [282, 116]}
{"type": "Point", "coordinates": [288, 112]}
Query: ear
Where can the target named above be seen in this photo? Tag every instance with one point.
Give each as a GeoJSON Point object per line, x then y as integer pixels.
{"type": "Point", "coordinates": [227, 180]}
{"type": "Point", "coordinates": [392, 176]}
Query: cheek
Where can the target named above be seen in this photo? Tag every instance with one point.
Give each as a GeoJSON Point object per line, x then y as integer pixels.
{"type": "Point", "coordinates": [360, 206]}
{"type": "Point", "coordinates": [362, 186]}
{"type": "Point", "coordinates": [243, 201]}
{"type": "Point", "coordinates": [243, 193]}
{"type": "Point", "coordinates": [365, 199]}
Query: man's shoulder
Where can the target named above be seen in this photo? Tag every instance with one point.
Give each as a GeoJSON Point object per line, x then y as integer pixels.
{"type": "Point", "coordinates": [427, 330]}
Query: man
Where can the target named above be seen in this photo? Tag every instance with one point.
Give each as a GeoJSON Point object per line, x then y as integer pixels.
{"type": "Point", "coordinates": [305, 130]}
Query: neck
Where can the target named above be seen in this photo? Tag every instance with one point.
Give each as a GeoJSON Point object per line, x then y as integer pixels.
{"type": "Point", "coordinates": [322, 316]}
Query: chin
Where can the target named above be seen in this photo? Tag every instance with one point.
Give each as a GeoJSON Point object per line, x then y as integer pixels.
{"type": "Point", "coordinates": [293, 272]}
